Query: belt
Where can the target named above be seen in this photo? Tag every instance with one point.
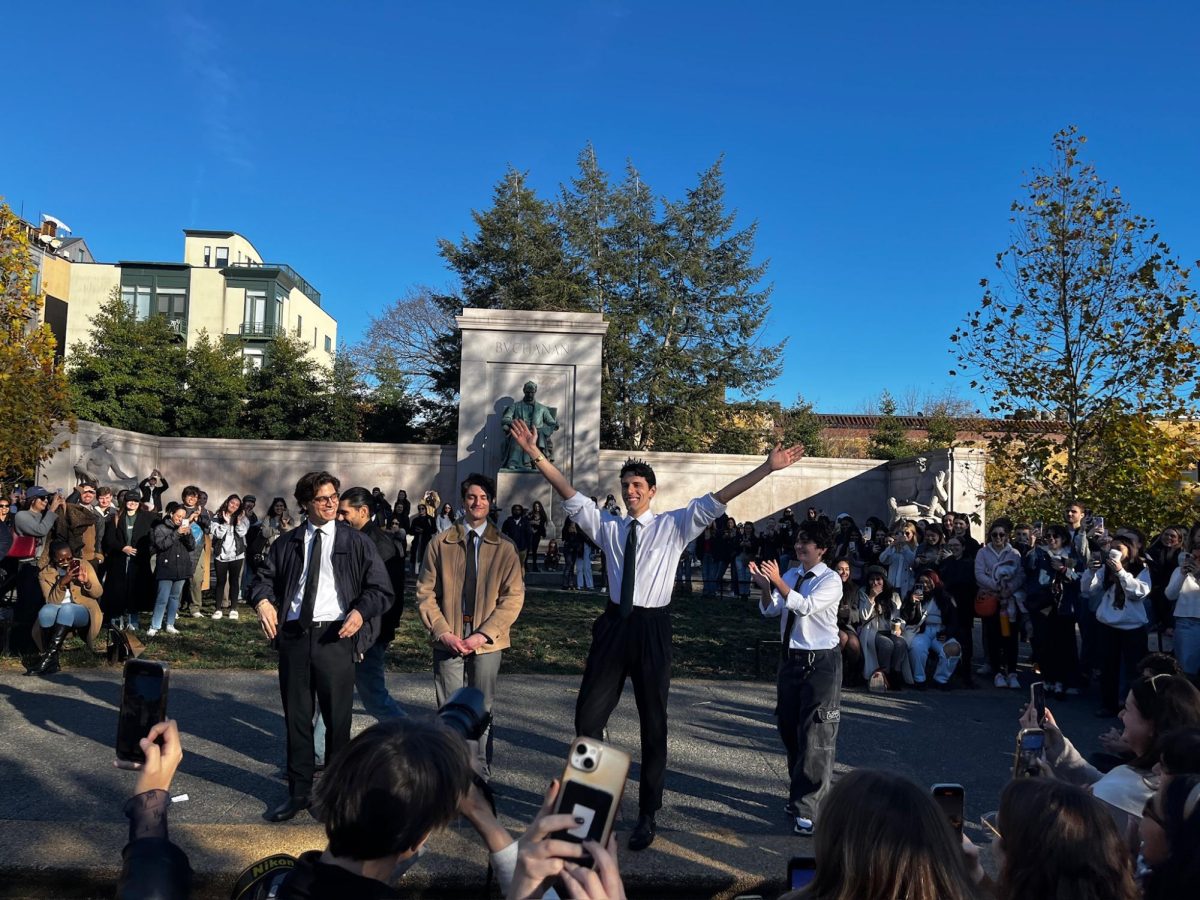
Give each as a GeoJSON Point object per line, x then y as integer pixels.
{"type": "Point", "coordinates": [810, 654]}
{"type": "Point", "coordinates": [614, 609]}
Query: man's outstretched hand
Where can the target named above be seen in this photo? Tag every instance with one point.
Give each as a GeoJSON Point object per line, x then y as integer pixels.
{"type": "Point", "coordinates": [525, 436]}
{"type": "Point", "coordinates": [781, 458]}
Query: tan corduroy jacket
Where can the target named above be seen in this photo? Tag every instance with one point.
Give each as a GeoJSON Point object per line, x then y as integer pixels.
{"type": "Point", "coordinates": [89, 600]}
{"type": "Point", "coordinates": [500, 588]}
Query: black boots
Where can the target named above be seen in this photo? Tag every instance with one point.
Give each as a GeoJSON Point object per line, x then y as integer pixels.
{"type": "Point", "coordinates": [52, 640]}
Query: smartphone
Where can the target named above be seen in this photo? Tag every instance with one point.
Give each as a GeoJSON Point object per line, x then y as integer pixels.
{"type": "Point", "coordinates": [1037, 697]}
{"type": "Point", "coordinates": [801, 872]}
{"type": "Point", "coordinates": [949, 797]}
{"type": "Point", "coordinates": [143, 705]}
{"type": "Point", "coordinates": [866, 532]}
{"type": "Point", "coordinates": [591, 788]}
{"type": "Point", "coordinates": [1031, 744]}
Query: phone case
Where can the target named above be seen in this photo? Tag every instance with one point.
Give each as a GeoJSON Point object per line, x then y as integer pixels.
{"type": "Point", "coordinates": [612, 769]}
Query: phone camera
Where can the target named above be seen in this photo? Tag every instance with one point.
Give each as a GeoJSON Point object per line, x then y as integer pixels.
{"type": "Point", "coordinates": [581, 750]}
{"type": "Point", "coordinates": [588, 762]}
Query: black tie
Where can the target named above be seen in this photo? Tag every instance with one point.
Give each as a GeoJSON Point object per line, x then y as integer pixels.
{"type": "Point", "coordinates": [791, 618]}
{"type": "Point", "coordinates": [628, 564]}
{"type": "Point", "coordinates": [311, 580]}
{"type": "Point", "coordinates": [471, 578]}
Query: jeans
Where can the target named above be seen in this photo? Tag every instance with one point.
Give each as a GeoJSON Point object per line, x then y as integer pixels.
{"type": "Point", "coordinates": [741, 569]}
{"type": "Point", "coordinates": [70, 614]}
{"type": "Point", "coordinates": [167, 601]}
{"type": "Point", "coordinates": [372, 690]}
{"type": "Point", "coordinates": [583, 570]}
{"type": "Point", "coordinates": [947, 662]}
{"type": "Point", "coordinates": [708, 568]}
{"type": "Point", "coordinates": [1187, 644]}
{"type": "Point", "coordinates": [808, 712]}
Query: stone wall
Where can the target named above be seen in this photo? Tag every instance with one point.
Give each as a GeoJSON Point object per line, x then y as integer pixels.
{"type": "Point", "coordinates": [860, 487]}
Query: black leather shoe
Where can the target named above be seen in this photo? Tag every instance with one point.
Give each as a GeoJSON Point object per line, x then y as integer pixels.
{"type": "Point", "coordinates": [287, 809]}
{"type": "Point", "coordinates": [643, 833]}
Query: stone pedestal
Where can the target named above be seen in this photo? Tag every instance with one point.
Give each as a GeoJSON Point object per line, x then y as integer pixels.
{"type": "Point", "coordinates": [501, 350]}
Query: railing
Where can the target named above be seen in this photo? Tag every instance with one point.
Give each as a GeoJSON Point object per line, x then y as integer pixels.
{"type": "Point", "coordinates": [265, 330]}
{"type": "Point", "coordinates": [295, 277]}
{"type": "Point", "coordinates": [179, 326]}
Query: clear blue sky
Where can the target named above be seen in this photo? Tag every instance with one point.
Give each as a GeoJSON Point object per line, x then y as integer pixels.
{"type": "Point", "coordinates": [878, 145]}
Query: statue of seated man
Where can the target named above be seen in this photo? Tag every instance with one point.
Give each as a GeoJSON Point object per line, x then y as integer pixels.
{"type": "Point", "coordinates": [541, 421]}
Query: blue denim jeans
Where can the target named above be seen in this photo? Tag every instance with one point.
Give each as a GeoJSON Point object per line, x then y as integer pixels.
{"type": "Point", "coordinates": [169, 593]}
{"type": "Point", "coordinates": [70, 614]}
{"type": "Point", "coordinates": [372, 690]}
{"type": "Point", "coordinates": [1187, 644]}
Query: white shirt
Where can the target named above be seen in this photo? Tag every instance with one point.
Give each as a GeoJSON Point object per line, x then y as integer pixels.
{"type": "Point", "coordinates": [479, 530]}
{"type": "Point", "coordinates": [815, 604]}
{"type": "Point", "coordinates": [661, 539]}
{"type": "Point", "coordinates": [1184, 590]}
{"type": "Point", "coordinates": [326, 607]}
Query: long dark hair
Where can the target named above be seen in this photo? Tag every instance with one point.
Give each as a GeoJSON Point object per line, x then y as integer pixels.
{"type": "Point", "coordinates": [1060, 841]}
{"type": "Point", "coordinates": [236, 517]}
{"type": "Point", "coordinates": [1170, 702]}
{"type": "Point", "coordinates": [1181, 823]}
{"type": "Point", "coordinates": [883, 837]}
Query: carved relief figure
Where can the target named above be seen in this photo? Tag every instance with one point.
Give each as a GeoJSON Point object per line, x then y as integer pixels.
{"type": "Point", "coordinates": [95, 464]}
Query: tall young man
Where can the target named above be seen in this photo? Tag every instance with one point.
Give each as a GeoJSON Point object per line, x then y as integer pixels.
{"type": "Point", "coordinates": [633, 636]}
{"type": "Point", "coordinates": [809, 688]}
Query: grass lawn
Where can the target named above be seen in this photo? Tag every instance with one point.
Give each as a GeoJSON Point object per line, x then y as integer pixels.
{"type": "Point", "coordinates": [714, 638]}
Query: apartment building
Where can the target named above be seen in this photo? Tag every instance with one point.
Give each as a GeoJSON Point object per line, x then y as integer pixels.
{"type": "Point", "coordinates": [222, 286]}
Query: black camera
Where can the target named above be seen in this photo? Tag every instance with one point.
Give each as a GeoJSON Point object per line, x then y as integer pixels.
{"type": "Point", "coordinates": [465, 714]}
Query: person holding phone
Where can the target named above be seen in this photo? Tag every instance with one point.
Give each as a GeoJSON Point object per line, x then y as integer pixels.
{"type": "Point", "coordinates": [933, 631]}
{"type": "Point", "coordinates": [1117, 587]}
{"type": "Point", "coordinates": [173, 543]}
{"type": "Point", "coordinates": [71, 591]}
{"type": "Point", "coordinates": [1183, 592]}
{"type": "Point", "coordinates": [632, 638]}
{"type": "Point", "coordinates": [229, 528]}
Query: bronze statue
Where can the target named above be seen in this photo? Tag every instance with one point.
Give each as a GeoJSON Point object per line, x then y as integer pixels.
{"type": "Point", "coordinates": [540, 419]}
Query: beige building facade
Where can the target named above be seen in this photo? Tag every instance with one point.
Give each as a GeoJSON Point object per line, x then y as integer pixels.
{"type": "Point", "coordinates": [222, 287]}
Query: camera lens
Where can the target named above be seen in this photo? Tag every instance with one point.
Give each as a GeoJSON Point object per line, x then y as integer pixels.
{"type": "Point", "coordinates": [588, 762]}
{"type": "Point", "coordinates": [581, 749]}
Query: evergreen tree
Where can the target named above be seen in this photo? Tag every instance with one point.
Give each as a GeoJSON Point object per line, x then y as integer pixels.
{"type": "Point", "coordinates": [215, 390]}
{"type": "Point", "coordinates": [34, 395]}
{"type": "Point", "coordinates": [285, 398]}
{"type": "Point", "coordinates": [800, 425]}
{"type": "Point", "coordinates": [342, 399]}
{"type": "Point", "coordinates": [390, 410]}
{"type": "Point", "coordinates": [888, 440]}
{"type": "Point", "coordinates": [128, 374]}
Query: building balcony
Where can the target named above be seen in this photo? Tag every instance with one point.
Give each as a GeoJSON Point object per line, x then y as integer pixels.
{"type": "Point", "coordinates": [288, 274]}
{"type": "Point", "coordinates": [259, 331]}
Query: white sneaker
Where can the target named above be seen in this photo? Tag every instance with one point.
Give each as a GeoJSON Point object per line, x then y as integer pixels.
{"type": "Point", "coordinates": [233, 614]}
{"type": "Point", "coordinates": [217, 614]}
{"type": "Point", "coordinates": [1000, 681]}
{"type": "Point", "coordinates": [151, 632]}
{"type": "Point", "coordinates": [1014, 682]}
{"type": "Point", "coordinates": [171, 629]}
{"type": "Point", "coordinates": [803, 826]}
{"type": "Point", "coordinates": [196, 614]}
{"type": "Point", "coordinates": [131, 627]}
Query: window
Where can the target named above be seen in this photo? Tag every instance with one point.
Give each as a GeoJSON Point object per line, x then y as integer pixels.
{"type": "Point", "coordinates": [314, 338]}
{"type": "Point", "coordinates": [328, 344]}
{"type": "Point", "coordinates": [172, 304]}
{"type": "Point", "coordinates": [252, 357]}
{"type": "Point", "coordinates": [207, 257]}
{"type": "Point", "coordinates": [222, 257]}
{"type": "Point", "coordinates": [137, 298]}
{"type": "Point", "coordinates": [255, 321]}
{"type": "Point", "coordinates": [299, 325]}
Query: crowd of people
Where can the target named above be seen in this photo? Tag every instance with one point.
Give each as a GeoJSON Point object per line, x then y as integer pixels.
{"type": "Point", "coordinates": [901, 599]}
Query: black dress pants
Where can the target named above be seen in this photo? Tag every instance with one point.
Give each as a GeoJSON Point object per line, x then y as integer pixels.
{"type": "Point", "coordinates": [638, 647]}
{"type": "Point", "coordinates": [313, 661]}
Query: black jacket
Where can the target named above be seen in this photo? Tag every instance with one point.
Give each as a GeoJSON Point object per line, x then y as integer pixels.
{"type": "Point", "coordinates": [362, 580]}
{"type": "Point", "coordinates": [393, 561]}
{"type": "Point", "coordinates": [174, 562]}
{"type": "Point", "coordinates": [315, 880]}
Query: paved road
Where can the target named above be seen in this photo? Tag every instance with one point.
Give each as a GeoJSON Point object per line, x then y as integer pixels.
{"type": "Point", "coordinates": [722, 826]}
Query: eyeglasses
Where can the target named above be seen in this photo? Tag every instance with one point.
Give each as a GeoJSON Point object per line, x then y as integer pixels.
{"type": "Point", "coordinates": [326, 499]}
{"type": "Point", "coordinates": [998, 534]}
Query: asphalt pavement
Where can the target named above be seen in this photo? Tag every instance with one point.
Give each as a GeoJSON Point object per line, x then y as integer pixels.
{"type": "Point", "coordinates": [722, 831]}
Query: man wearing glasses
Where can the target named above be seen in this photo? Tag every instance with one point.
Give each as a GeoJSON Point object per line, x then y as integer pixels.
{"type": "Point", "coordinates": [319, 597]}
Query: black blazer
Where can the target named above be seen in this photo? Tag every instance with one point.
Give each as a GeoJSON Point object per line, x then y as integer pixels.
{"type": "Point", "coordinates": [362, 580]}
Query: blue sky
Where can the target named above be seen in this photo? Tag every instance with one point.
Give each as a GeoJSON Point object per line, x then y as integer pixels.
{"type": "Point", "coordinates": [878, 145]}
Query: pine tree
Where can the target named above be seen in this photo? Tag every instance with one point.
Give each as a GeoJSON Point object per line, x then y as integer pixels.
{"type": "Point", "coordinates": [128, 374]}
{"type": "Point", "coordinates": [342, 399]}
{"type": "Point", "coordinates": [214, 391]}
{"type": "Point", "coordinates": [888, 440]}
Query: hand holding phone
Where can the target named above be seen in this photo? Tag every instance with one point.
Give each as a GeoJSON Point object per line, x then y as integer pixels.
{"type": "Point", "coordinates": [143, 705]}
{"type": "Point", "coordinates": [1037, 698]}
{"type": "Point", "coordinates": [592, 784]}
{"type": "Point", "coordinates": [1031, 747]}
{"type": "Point", "coordinates": [950, 798]}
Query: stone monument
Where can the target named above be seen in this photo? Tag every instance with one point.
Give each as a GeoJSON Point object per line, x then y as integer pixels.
{"type": "Point", "coordinates": [503, 352]}
{"type": "Point", "coordinates": [541, 419]}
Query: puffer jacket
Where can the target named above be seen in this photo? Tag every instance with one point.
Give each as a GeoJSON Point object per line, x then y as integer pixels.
{"type": "Point", "coordinates": [174, 552]}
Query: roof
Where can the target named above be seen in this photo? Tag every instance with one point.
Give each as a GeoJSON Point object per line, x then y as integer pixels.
{"type": "Point", "coordinates": [960, 423]}
{"type": "Point", "coordinates": [200, 232]}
